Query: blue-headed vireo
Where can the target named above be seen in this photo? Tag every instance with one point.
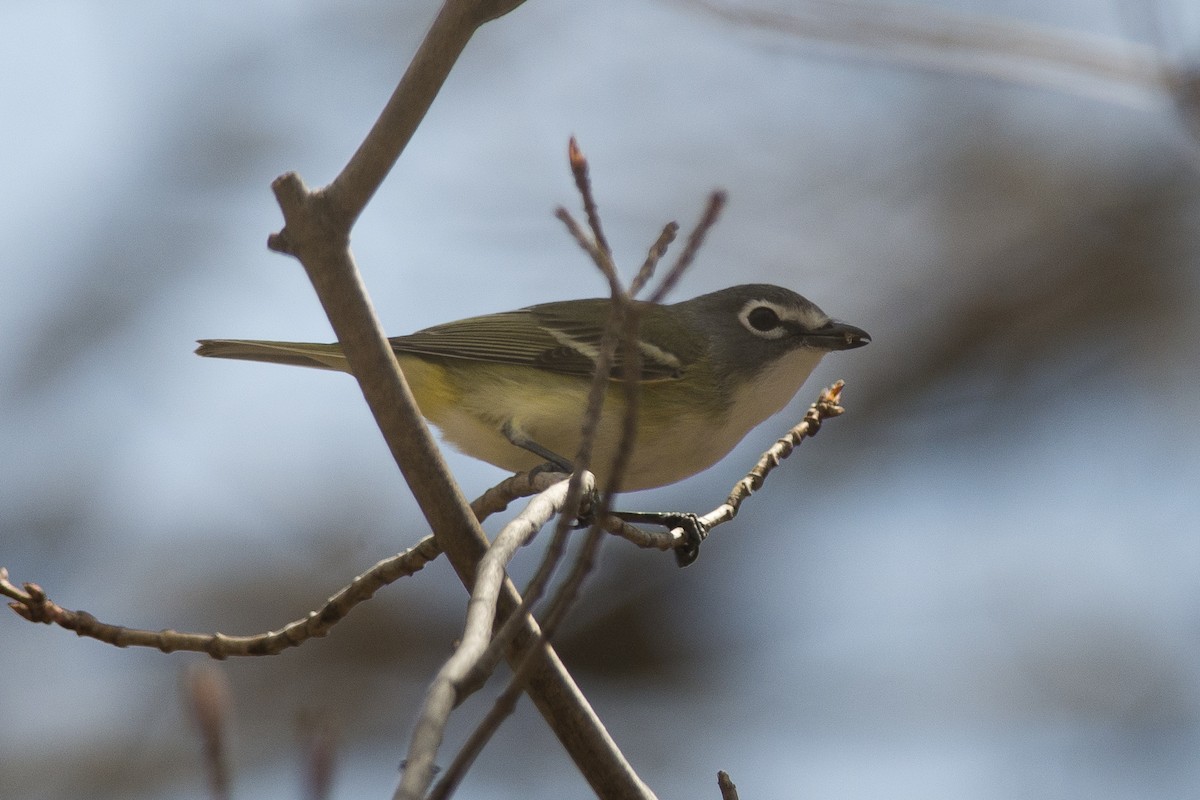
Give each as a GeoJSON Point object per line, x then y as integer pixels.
{"type": "Point", "coordinates": [511, 388]}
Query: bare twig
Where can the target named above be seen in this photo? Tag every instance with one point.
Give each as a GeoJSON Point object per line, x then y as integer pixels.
{"type": "Point", "coordinates": [443, 693]}
{"type": "Point", "coordinates": [585, 561]}
{"type": "Point", "coordinates": [621, 330]}
{"type": "Point", "coordinates": [33, 604]}
{"type": "Point", "coordinates": [317, 229]}
{"type": "Point", "coordinates": [712, 211]}
{"type": "Point", "coordinates": [728, 789]}
{"type": "Point", "coordinates": [602, 259]}
{"type": "Point", "coordinates": [664, 540]}
{"type": "Point", "coordinates": [621, 317]}
{"type": "Point", "coordinates": [501, 709]}
{"type": "Point", "coordinates": [523, 484]}
{"type": "Point", "coordinates": [825, 407]}
{"type": "Point", "coordinates": [506, 702]}
{"type": "Point", "coordinates": [579, 169]}
{"type": "Point", "coordinates": [657, 251]}
{"type": "Point", "coordinates": [598, 248]}
{"type": "Point", "coordinates": [532, 593]}
{"type": "Point", "coordinates": [454, 26]}
{"type": "Point", "coordinates": [577, 487]}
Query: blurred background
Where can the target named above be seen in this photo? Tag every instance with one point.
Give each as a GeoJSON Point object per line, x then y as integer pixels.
{"type": "Point", "coordinates": [982, 582]}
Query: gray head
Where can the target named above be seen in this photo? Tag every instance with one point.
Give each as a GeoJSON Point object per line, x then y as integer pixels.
{"type": "Point", "coordinates": [760, 323]}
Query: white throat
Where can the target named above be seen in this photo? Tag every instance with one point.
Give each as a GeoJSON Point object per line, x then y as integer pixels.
{"type": "Point", "coordinates": [771, 389]}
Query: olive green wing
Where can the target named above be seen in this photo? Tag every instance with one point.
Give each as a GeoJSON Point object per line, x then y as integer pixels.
{"type": "Point", "coordinates": [558, 337]}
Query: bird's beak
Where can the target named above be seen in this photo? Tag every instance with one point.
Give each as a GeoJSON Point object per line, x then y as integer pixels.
{"type": "Point", "coordinates": [839, 336]}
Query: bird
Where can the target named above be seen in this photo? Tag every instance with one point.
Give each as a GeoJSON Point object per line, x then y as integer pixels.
{"type": "Point", "coordinates": [511, 388]}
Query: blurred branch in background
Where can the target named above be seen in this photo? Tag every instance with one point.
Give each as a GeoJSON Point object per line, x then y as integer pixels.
{"type": "Point", "coordinates": [208, 698]}
{"type": "Point", "coordinates": [991, 47]}
{"type": "Point", "coordinates": [319, 739]}
{"type": "Point", "coordinates": [1086, 291]}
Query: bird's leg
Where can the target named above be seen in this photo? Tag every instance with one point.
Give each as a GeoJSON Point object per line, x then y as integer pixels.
{"type": "Point", "coordinates": [554, 462]}
{"type": "Point", "coordinates": [694, 531]}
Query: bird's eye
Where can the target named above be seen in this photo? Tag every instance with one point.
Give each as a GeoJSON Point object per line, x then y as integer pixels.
{"type": "Point", "coordinates": [763, 318]}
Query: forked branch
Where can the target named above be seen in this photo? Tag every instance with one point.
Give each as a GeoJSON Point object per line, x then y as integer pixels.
{"type": "Point", "coordinates": [317, 232]}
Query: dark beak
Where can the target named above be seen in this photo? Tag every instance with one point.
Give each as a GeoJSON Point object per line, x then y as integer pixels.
{"type": "Point", "coordinates": [839, 336]}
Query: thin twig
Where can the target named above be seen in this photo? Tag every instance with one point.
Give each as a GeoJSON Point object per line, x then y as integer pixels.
{"type": "Point", "coordinates": [523, 484]}
{"type": "Point", "coordinates": [580, 485]}
{"type": "Point", "coordinates": [579, 169]}
{"type": "Point", "coordinates": [597, 391]}
{"type": "Point", "coordinates": [530, 595]}
{"type": "Point", "coordinates": [712, 212]}
{"type": "Point", "coordinates": [728, 789]}
{"type": "Point", "coordinates": [33, 604]}
{"type": "Point", "coordinates": [366, 170]}
{"type": "Point", "coordinates": [599, 257]}
{"type": "Point", "coordinates": [825, 407]}
{"type": "Point", "coordinates": [657, 251]}
{"type": "Point", "coordinates": [664, 540]}
{"type": "Point", "coordinates": [622, 331]}
{"type": "Point", "coordinates": [481, 613]}
{"type": "Point", "coordinates": [591, 420]}
{"type": "Point", "coordinates": [601, 254]}
{"type": "Point", "coordinates": [585, 560]}
{"type": "Point", "coordinates": [506, 702]}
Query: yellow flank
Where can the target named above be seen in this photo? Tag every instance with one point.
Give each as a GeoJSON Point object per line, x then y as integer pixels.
{"type": "Point", "coordinates": [472, 403]}
{"type": "Point", "coordinates": [434, 392]}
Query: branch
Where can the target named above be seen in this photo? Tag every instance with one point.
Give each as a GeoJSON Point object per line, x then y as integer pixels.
{"type": "Point", "coordinates": [712, 211]}
{"type": "Point", "coordinates": [317, 232]}
{"type": "Point", "coordinates": [653, 256]}
{"type": "Point", "coordinates": [621, 330]}
{"type": "Point", "coordinates": [826, 407]}
{"type": "Point", "coordinates": [620, 326]}
{"type": "Point", "coordinates": [728, 788]}
{"type": "Point", "coordinates": [444, 693]}
{"type": "Point", "coordinates": [32, 603]}
{"type": "Point", "coordinates": [506, 702]}
{"type": "Point", "coordinates": [523, 484]}
{"type": "Point", "coordinates": [453, 27]}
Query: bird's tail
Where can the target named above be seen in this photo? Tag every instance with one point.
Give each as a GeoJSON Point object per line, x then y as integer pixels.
{"type": "Point", "coordinates": [300, 354]}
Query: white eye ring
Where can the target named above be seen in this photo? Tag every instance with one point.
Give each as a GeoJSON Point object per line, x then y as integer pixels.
{"type": "Point", "coordinates": [756, 308]}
